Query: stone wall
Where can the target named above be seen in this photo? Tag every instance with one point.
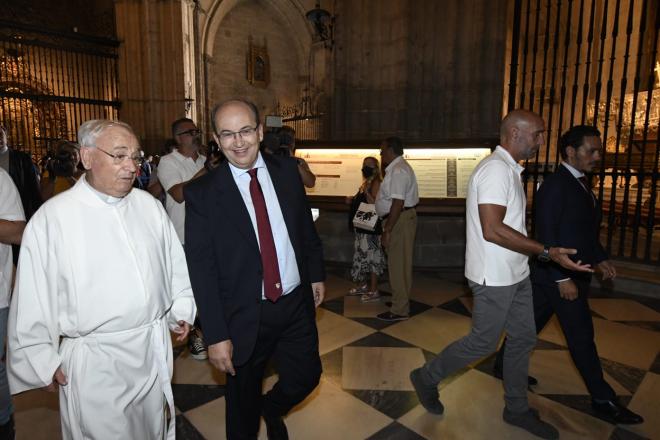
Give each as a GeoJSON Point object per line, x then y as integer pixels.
{"type": "Point", "coordinates": [227, 65]}
{"type": "Point", "coordinates": [440, 240]}
{"type": "Point", "coordinates": [420, 69]}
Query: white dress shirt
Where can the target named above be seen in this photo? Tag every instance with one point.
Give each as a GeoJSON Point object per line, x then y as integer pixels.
{"type": "Point", "coordinates": [286, 257]}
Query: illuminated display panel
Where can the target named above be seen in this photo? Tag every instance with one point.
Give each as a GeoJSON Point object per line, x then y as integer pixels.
{"type": "Point", "coordinates": [440, 172]}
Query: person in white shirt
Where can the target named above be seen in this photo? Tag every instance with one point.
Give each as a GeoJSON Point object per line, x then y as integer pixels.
{"type": "Point", "coordinates": [101, 278]}
{"type": "Point", "coordinates": [496, 266]}
{"type": "Point", "coordinates": [395, 204]}
{"type": "Point", "coordinates": [178, 168]}
{"type": "Point", "coordinates": [175, 170]}
{"type": "Point", "coordinates": [12, 223]}
{"type": "Point", "coordinates": [568, 212]}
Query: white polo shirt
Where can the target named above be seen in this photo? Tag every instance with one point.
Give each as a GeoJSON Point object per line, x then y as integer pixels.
{"type": "Point", "coordinates": [12, 210]}
{"type": "Point", "coordinates": [496, 180]}
{"type": "Point", "coordinates": [399, 183]}
{"type": "Point", "coordinates": [173, 169]}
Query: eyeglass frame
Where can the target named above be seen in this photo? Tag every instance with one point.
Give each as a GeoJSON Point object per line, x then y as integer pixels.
{"type": "Point", "coordinates": [242, 133]}
{"type": "Point", "coordinates": [190, 132]}
{"type": "Point", "coordinates": [120, 158]}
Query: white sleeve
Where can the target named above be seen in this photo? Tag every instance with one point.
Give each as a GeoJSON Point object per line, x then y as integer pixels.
{"type": "Point", "coordinates": [11, 207]}
{"type": "Point", "coordinates": [33, 326]}
{"type": "Point", "coordinates": [399, 184]}
{"type": "Point", "coordinates": [493, 184]}
{"type": "Point", "coordinates": [183, 302]}
{"type": "Point", "coordinates": [168, 173]}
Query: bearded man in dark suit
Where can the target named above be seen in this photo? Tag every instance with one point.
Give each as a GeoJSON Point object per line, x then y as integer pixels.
{"type": "Point", "coordinates": [567, 212]}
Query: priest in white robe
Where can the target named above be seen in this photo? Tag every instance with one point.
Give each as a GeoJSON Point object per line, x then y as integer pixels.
{"type": "Point", "coordinates": [100, 280]}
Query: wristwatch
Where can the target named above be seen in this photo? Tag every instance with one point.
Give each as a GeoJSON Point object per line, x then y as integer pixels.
{"type": "Point", "coordinates": [544, 256]}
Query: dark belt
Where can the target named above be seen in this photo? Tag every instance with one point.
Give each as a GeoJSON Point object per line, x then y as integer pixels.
{"type": "Point", "coordinates": [405, 208]}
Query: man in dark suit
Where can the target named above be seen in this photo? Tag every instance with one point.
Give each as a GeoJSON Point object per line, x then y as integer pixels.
{"type": "Point", "coordinates": [256, 267]}
{"type": "Point", "coordinates": [567, 212]}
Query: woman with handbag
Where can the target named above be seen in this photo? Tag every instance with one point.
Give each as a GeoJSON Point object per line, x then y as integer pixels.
{"type": "Point", "coordinates": [368, 258]}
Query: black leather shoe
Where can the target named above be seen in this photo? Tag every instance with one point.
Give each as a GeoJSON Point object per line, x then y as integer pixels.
{"type": "Point", "coordinates": [275, 428]}
{"type": "Point", "coordinates": [531, 380]}
{"type": "Point", "coordinates": [614, 412]}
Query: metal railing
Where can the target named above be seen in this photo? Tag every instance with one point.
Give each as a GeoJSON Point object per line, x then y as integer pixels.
{"type": "Point", "coordinates": [596, 62]}
{"type": "Point", "coordinates": [51, 82]}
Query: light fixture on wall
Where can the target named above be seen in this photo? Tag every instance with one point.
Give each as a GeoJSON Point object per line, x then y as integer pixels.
{"type": "Point", "coordinates": [323, 23]}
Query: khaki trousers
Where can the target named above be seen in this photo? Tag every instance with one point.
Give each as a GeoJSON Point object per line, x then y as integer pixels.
{"type": "Point", "coordinates": [400, 261]}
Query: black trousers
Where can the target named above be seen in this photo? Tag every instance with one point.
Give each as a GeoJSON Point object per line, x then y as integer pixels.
{"type": "Point", "coordinates": [577, 325]}
{"type": "Point", "coordinates": [288, 335]}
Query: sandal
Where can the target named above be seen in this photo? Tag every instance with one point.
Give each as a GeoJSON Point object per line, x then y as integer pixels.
{"type": "Point", "coordinates": [370, 297]}
{"type": "Point", "coordinates": [355, 291]}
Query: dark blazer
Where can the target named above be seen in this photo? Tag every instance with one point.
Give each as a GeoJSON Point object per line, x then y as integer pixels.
{"type": "Point", "coordinates": [567, 215]}
{"type": "Point", "coordinates": [22, 171]}
{"type": "Point", "coordinates": [223, 253]}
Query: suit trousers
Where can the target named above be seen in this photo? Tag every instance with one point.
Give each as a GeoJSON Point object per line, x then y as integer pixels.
{"type": "Point", "coordinates": [287, 335]}
{"type": "Point", "coordinates": [575, 320]}
{"type": "Point", "coordinates": [496, 309]}
{"type": "Point", "coordinates": [400, 261]}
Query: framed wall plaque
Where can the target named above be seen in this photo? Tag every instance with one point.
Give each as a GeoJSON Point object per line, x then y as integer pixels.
{"type": "Point", "coordinates": [258, 65]}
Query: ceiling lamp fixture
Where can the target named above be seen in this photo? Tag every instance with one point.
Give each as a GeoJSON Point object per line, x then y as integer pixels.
{"type": "Point", "coordinates": [323, 23]}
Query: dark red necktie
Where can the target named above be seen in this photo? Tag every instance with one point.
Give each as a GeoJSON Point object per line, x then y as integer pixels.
{"type": "Point", "coordinates": [583, 180]}
{"type": "Point", "coordinates": [271, 268]}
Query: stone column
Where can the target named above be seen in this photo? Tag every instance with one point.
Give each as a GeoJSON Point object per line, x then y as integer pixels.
{"type": "Point", "coordinates": [151, 70]}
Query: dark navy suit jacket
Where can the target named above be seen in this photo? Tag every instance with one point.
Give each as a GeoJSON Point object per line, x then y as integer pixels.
{"type": "Point", "coordinates": [569, 216]}
{"type": "Point", "coordinates": [223, 253]}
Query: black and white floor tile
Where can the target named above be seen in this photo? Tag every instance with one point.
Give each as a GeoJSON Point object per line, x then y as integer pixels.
{"type": "Point", "coordinates": [365, 392]}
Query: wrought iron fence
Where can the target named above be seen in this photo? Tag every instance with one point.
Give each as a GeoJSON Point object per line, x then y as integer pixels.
{"type": "Point", "coordinates": [308, 128]}
{"type": "Point", "coordinates": [596, 62]}
{"type": "Point", "coordinates": [50, 82]}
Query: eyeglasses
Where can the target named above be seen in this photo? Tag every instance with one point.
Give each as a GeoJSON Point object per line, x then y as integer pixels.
{"type": "Point", "coordinates": [228, 136]}
{"type": "Point", "coordinates": [119, 158]}
{"type": "Point", "coordinates": [191, 132]}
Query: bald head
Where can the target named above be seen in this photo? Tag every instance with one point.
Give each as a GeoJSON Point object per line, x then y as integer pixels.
{"type": "Point", "coordinates": [240, 102]}
{"type": "Point", "coordinates": [522, 133]}
{"type": "Point", "coordinates": [238, 132]}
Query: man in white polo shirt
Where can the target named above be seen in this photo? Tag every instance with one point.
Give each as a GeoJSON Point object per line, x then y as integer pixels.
{"type": "Point", "coordinates": [496, 266]}
{"type": "Point", "coordinates": [12, 223]}
{"type": "Point", "coordinates": [175, 170]}
{"type": "Point", "coordinates": [395, 204]}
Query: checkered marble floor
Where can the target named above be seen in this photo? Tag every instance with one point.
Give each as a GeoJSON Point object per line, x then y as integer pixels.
{"type": "Point", "coordinates": [365, 392]}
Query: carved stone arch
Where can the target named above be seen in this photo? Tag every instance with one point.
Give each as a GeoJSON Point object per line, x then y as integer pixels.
{"type": "Point", "coordinates": [292, 12]}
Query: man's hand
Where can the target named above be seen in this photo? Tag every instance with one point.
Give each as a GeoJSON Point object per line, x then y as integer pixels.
{"type": "Point", "coordinates": [220, 356]}
{"type": "Point", "coordinates": [385, 239]}
{"type": "Point", "coordinates": [58, 379]}
{"type": "Point", "coordinates": [607, 269]}
{"type": "Point", "coordinates": [319, 292]}
{"type": "Point", "coordinates": [568, 290]}
{"type": "Point", "coordinates": [182, 330]}
{"type": "Point", "coordinates": [560, 256]}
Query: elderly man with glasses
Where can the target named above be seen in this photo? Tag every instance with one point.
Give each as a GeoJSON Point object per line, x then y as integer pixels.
{"type": "Point", "coordinates": [91, 308]}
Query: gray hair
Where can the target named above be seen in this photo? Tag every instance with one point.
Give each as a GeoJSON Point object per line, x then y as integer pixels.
{"type": "Point", "coordinates": [90, 130]}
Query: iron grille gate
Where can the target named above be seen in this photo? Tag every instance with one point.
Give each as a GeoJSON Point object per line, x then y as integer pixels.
{"type": "Point", "coordinates": [51, 82]}
{"type": "Point", "coordinates": [596, 62]}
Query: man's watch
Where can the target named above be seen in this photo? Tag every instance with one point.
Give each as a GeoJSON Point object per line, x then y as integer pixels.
{"type": "Point", "coordinates": [544, 256]}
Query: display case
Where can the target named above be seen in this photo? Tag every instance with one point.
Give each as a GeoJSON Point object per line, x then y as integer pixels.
{"type": "Point", "coordinates": [442, 169]}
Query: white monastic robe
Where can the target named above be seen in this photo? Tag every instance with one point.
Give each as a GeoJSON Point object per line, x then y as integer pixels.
{"type": "Point", "coordinates": [108, 279]}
